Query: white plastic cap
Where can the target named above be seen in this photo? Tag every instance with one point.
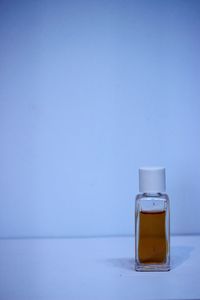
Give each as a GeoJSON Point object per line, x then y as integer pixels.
{"type": "Point", "coordinates": [152, 180]}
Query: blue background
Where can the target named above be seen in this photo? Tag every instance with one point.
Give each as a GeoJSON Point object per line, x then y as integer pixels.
{"type": "Point", "coordinates": [89, 92]}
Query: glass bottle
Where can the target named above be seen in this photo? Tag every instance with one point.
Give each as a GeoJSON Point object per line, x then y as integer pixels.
{"type": "Point", "coordinates": [152, 222]}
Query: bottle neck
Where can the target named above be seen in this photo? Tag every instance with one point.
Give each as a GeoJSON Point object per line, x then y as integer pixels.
{"type": "Point", "coordinates": [150, 194]}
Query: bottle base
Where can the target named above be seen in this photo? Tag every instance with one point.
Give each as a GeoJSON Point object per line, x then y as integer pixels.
{"type": "Point", "coordinates": [152, 267]}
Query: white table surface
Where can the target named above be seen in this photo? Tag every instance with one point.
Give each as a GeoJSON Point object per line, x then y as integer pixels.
{"type": "Point", "coordinates": [94, 268]}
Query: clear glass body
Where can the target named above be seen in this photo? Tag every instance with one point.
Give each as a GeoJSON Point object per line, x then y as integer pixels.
{"type": "Point", "coordinates": [152, 232]}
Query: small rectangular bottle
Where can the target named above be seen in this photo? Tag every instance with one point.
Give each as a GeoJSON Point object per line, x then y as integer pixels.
{"type": "Point", "coordinates": [152, 222]}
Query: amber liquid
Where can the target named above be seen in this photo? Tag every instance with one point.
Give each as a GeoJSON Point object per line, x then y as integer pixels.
{"type": "Point", "coordinates": [152, 237]}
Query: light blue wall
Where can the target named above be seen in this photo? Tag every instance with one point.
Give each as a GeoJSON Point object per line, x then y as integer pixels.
{"type": "Point", "coordinates": [89, 91]}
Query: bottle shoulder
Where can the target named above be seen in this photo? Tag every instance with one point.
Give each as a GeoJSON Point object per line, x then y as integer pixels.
{"type": "Point", "coordinates": [156, 202]}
